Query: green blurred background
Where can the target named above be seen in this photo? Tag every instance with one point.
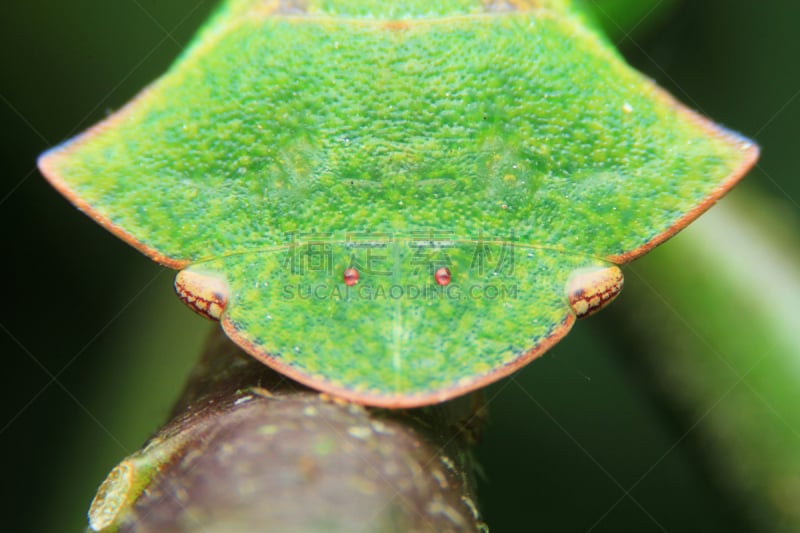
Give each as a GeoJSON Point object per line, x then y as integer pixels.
{"type": "Point", "coordinates": [684, 393]}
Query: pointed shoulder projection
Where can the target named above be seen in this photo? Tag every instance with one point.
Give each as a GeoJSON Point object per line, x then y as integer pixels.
{"type": "Point", "coordinates": [398, 202]}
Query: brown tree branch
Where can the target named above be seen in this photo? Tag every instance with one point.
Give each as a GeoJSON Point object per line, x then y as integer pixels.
{"type": "Point", "coordinates": [249, 450]}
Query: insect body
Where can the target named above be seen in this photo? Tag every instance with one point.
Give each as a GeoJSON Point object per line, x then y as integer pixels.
{"type": "Point", "coordinates": [390, 201]}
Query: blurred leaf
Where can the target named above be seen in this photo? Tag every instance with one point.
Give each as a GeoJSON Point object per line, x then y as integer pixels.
{"type": "Point", "coordinates": [628, 18]}
{"type": "Point", "coordinates": [723, 339]}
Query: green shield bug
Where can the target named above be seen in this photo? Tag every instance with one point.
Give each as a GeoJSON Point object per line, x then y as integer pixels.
{"type": "Point", "coordinates": [398, 202]}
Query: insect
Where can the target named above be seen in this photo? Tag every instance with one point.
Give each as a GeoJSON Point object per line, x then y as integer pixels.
{"type": "Point", "coordinates": [398, 202]}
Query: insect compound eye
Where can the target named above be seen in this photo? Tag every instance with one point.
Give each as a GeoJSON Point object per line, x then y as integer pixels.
{"type": "Point", "coordinates": [592, 289]}
{"type": "Point", "coordinates": [350, 277]}
{"type": "Point", "coordinates": [442, 276]}
{"type": "Point", "coordinates": [206, 295]}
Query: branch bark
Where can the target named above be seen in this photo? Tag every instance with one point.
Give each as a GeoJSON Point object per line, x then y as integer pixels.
{"type": "Point", "coordinates": [247, 449]}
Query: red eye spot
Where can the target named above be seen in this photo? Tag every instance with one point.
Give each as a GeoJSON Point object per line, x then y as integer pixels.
{"type": "Point", "coordinates": [442, 276]}
{"type": "Point", "coordinates": [350, 277]}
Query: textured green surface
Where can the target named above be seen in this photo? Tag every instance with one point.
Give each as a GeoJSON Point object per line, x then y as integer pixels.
{"type": "Point", "coordinates": [397, 332]}
{"type": "Point", "coordinates": [283, 128]}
